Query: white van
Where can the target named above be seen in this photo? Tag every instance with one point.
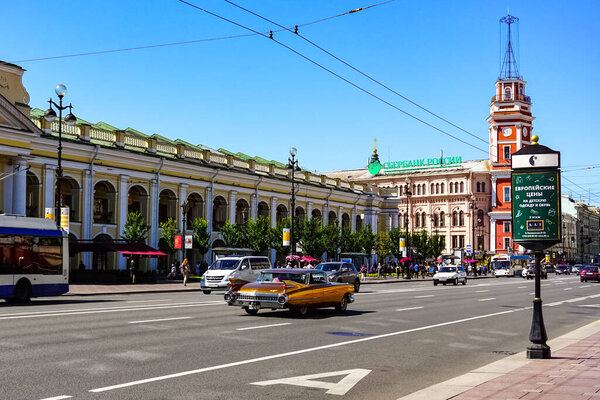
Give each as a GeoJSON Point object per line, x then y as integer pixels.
{"type": "Point", "coordinates": [240, 267]}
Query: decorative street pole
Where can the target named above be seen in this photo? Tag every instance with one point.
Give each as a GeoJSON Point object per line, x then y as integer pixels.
{"type": "Point", "coordinates": [70, 119]}
{"type": "Point", "coordinates": [406, 220]}
{"type": "Point", "coordinates": [293, 167]}
{"type": "Point", "coordinates": [536, 220]}
{"type": "Point", "coordinates": [473, 207]}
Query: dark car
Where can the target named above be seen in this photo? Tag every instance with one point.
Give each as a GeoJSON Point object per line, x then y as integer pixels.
{"type": "Point", "coordinates": [338, 271]}
{"type": "Point", "coordinates": [549, 268]}
{"type": "Point", "coordinates": [589, 273]}
{"type": "Point", "coordinates": [563, 270]}
{"type": "Point", "coordinates": [529, 272]}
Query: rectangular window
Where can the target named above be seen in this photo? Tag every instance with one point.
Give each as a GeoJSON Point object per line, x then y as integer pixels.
{"type": "Point", "coordinates": [507, 194]}
{"type": "Point", "coordinates": [506, 226]}
{"type": "Point", "coordinates": [506, 150]}
{"type": "Point", "coordinates": [461, 240]}
{"type": "Point", "coordinates": [506, 243]}
{"type": "Point", "coordinates": [454, 241]}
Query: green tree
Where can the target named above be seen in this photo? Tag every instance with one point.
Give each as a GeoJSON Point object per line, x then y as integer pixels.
{"type": "Point", "coordinates": [257, 234]}
{"type": "Point", "coordinates": [310, 237]}
{"type": "Point", "coordinates": [395, 235]}
{"type": "Point", "coordinates": [331, 240]}
{"type": "Point", "coordinates": [276, 236]}
{"type": "Point", "coordinates": [368, 240]}
{"type": "Point", "coordinates": [169, 230]}
{"type": "Point", "coordinates": [201, 235]}
{"type": "Point", "coordinates": [136, 230]}
{"type": "Point", "coordinates": [233, 235]}
{"type": "Point", "coordinates": [350, 241]}
{"type": "Point", "coordinates": [435, 246]}
{"type": "Point", "coordinates": [383, 246]}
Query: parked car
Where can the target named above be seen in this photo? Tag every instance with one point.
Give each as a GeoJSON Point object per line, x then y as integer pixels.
{"type": "Point", "coordinates": [293, 288]}
{"type": "Point", "coordinates": [589, 273]}
{"type": "Point", "coordinates": [576, 269]}
{"type": "Point", "coordinates": [563, 270]}
{"type": "Point", "coordinates": [549, 268]}
{"type": "Point", "coordinates": [342, 272]}
{"type": "Point", "coordinates": [450, 274]}
{"type": "Point", "coordinates": [529, 272]}
{"type": "Point", "coordinates": [245, 268]}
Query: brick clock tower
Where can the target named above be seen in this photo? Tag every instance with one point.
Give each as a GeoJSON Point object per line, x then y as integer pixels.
{"type": "Point", "coordinates": [510, 129]}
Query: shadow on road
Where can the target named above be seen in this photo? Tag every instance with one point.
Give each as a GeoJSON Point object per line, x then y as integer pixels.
{"type": "Point", "coordinates": [312, 314]}
{"type": "Point", "coordinates": [58, 301]}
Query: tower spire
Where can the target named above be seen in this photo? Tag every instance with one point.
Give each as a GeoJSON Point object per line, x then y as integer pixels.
{"type": "Point", "coordinates": [510, 68]}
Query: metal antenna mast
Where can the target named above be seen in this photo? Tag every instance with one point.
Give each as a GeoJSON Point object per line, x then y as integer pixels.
{"type": "Point", "coordinates": [510, 69]}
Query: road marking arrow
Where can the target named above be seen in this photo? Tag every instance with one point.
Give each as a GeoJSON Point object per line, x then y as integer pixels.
{"type": "Point", "coordinates": [342, 387]}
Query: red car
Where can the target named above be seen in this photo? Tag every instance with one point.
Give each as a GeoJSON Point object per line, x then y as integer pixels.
{"type": "Point", "coordinates": [589, 273]}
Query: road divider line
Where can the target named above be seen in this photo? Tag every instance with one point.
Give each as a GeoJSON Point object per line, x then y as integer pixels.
{"type": "Point", "coordinates": [158, 320]}
{"type": "Point", "coordinates": [409, 308]}
{"type": "Point", "coordinates": [521, 287]}
{"type": "Point", "coordinates": [262, 326]}
{"type": "Point", "coordinates": [491, 298]}
{"type": "Point", "coordinates": [424, 296]}
{"type": "Point", "coordinates": [145, 301]}
{"type": "Point", "coordinates": [481, 291]}
{"type": "Point", "coordinates": [568, 288]}
{"type": "Point", "coordinates": [302, 351]}
{"type": "Point", "coordinates": [57, 398]}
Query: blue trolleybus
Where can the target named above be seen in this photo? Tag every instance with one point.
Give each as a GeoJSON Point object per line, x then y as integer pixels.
{"type": "Point", "coordinates": [34, 258]}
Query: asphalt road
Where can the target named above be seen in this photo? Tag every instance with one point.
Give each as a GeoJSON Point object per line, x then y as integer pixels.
{"type": "Point", "coordinates": [394, 340]}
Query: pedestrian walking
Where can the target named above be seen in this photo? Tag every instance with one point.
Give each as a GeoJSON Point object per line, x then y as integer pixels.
{"type": "Point", "coordinates": [173, 272]}
{"type": "Point", "coordinates": [132, 270]}
{"type": "Point", "coordinates": [379, 270]}
{"type": "Point", "coordinates": [363, 273]}
{"type": "Point", "coordinates": [398, 271]}
{"type": "Point", "coordinates": [185, 271]}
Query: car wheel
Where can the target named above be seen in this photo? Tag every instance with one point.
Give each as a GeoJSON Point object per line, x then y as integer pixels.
{"type": "Point", "coordinates": [251, 311]}
{"type": "Point", "coordinates": [357, 286]}
{"type": "Point", "coordinates": [455, 282]}
{"type": "Point", "coordinates": [464, 282]}
{"type": "Point", "coordinates": [206, 291]}
{"type": "Point", "coordinates": [23, 291]}
{"type": "Point", "coordinates": [435, 283]}
{"type": "Point", "coordinates": [444, 283]}
{"type": "Point", "coordinates": [343, 304]}
{"type": "Point", "coordinates": [300, 311]}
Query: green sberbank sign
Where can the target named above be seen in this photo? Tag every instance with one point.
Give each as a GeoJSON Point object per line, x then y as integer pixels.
{"type": "Point", "coordinates": [392, 167]}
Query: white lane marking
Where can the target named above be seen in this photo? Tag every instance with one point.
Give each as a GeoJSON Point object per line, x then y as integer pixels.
{"type": "Point", "coordinates": [521, 287]}
{"type": "Point", "coordinates": [57, 398]}
{"type": "Point", "coordinates": [481, 291]}
{"type": "Point", "coordinates": [353, 376]}
{"type": "Point", "coordinates": [158, 320]}
{"type": "Point", "coordinates": [589, 305]}
{"type": "Point", "coordinates": [425, 295]}
{"type": "Point", "coordinates": [408, 309]}
{"type": "Point", "coordinates": [145, 301]}
{"type": "Point", "coordinates": [532, 293]}
{"type": "Point", "coordinates": [302, 351]}
{"type": "Point", "coordinates": [262, 326]}
{"type": "Point", "coordinates": [568, 288]}
{"type": "Point", "coordinates": [491, 298]}
{"type": "Point", "coordinates": [106, 310]}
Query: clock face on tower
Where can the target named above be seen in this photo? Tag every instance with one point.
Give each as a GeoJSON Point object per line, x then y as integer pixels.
{"type": "Point", "coordinates": [506, 131]}
{"type": "Point", "coordinates": [525, 132]}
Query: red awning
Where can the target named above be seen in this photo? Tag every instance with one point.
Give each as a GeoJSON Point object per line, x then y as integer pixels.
{"type": "Point", "coordinates": [143, 253]}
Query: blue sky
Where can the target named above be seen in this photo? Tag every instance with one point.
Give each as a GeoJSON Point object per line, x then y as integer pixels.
{"type": "Point", "coordinates": [251, 95]}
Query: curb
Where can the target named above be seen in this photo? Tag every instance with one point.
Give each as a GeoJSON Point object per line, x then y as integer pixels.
{"type": "Point", "coordinates": [460, 384]}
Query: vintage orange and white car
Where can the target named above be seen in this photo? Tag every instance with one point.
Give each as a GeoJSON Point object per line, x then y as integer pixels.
{"type": "Point", "coordinates": [298, 290]}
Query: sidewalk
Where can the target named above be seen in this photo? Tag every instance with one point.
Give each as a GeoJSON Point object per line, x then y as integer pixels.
{"type": "Point", "coordinates": [573, 373]}
{"type": "Point", "coordinates": [82, 289]}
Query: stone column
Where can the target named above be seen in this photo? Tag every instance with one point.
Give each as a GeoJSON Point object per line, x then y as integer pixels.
{"type": "Point", "coordinates": [88, 209]}
{"type": "Point", "coordinates": [353, 221]}
{"type": "Point", "coordinates": [123, 209]}
{"type": "Point", "coordinates": [394, 219]}
{"type": "Point", "coordinates": [326, 214]}
{"type": "Point", "coordinates": [492, 234]}
{"type": "Point", "coordinates": [209, 219]}
{"type": "Point", "coordinates": [232, 195]}
{"type": "Point", "coordinates": [309, 208]}
{"type": "Point", "coordinates": [254, 206]}
{"type": "Point", "coordinates": [340, 212]}
{"type": "Point", "coordinates": [273, 224]}
{"type": "Point", "coordinates": [154, 199]}
{"type": "Point", "coordinates": [182, 199]}
{"type": "Point", "coordinates": [494, 194]}
{"type": "Point", "coordinates": [19, 186]}
{"type": "Point", "coordinates": [8, 189]}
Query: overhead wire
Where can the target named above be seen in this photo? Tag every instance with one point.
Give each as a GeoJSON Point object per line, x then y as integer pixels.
{"type": "Point", "coordinates": [270, 37]}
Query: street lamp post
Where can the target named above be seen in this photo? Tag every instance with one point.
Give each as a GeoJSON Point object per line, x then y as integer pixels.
{"type": "Point", "coordinates": [185, 207]}
{"type": "Point", "coordinates": [293, 167]}
{"type": "Point", "coordinates": [70, 119]}
{"type": "Point", "coordinates": [408, 193]}
{"type": "Point", "coordinates": [473, 207]}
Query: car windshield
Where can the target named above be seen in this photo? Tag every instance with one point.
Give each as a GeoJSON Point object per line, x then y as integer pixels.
{"type": "Point", "coordinates": [328, 267]}
{"type": "Point", "coordinates": [501, 264]}
{"type": "Point", "coordinates": [282, 276]}
{"type": "Point", "coordinates": [447, 269]}
{"type": "Point", "coordinates": [225, 264]}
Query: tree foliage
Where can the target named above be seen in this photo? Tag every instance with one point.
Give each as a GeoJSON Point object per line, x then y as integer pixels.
{"type": "Point", "coordinates": [233, 235]}
{"type": "Point", "coordinates": [136, 230]}
{"type": "Point", "coordinates": [169, 230]}
{"type": "Point", "coordinates": [310, 237]}
{"type": "Point", "coordinates": [276, 236]}
{"type": "Point", "coordinates": [257, 234]}
{"type": "Point", "coordinates": [201, 235]}
{"type": "Point", "coordinates": [383, 246]}
{"type": "Point", "coordinates": [350, 241]}
{"type": "Point", "coordinates": [368, 240]}
{"type": "Point", "coordinates": [331, 240]}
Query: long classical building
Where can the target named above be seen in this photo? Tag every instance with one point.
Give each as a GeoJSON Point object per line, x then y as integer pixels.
{"type": "Point", "coordinates": [109, 172]}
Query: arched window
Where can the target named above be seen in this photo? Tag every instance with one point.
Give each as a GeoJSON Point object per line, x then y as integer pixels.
{"type": "Point", "coordinates": [455, 218]}
{"type": "Point", "coordinates": [442, 188]}
{"type": "Point", "coordinates": [483, 186]}
{"type": "Point", "coordinates": [442, 218]}
{"type": "Point", "coordinates": [300, 214]}
{"type": "Point", "coordinates": [32, 196]}
{"type": "Point", "coordinates": [316, 213]}
{"type": "Point", "coordinates": [414, 191]}
{"type": "Point", "coordinates": [507, 93]}
{"type": "Point", "coordinates": [219, 213]}
{"type": "Point", "coordinates": [242, 212]}
{"type": "Point", "coordinates": [104, 203]}
{"type": "Point", "coordinates": [451, 187]}
{"type": "Point", "coordinates": [423, 222]}
{"type": "Point", "coordinates": [478, 186]}
{"type": "Point", "coordinates": [358, 222]}
{"type": "Point", "coordinates": [69, 193]}
{"type": "Point", "coordinates": [424, 189]}
{"type": "Point", "coordinates": [400, 190]}
{"type": "Point", "coordinates": [461, 218]}
{"type": "Point", "coordinates": [137, 201]}
{"type": "Point", "coordinates": [195, 209]}
{"type": "Point", "coordinates": [432, 191]}
{"type": "Point", "coordinates": [331, 219]}
{"type": "Point", "coordinates": [437, 188]}
{"type": "Point", "coordinates": [167, 206]}
{"type": "Point", "coordinates": [462, 187]}
{"type": "Point", "coordinates": [282, 212]}
{"type": "Point", "coordinates": [345, 220]}
{"type": "Point", "coordinates": [400, 220]}
{"type": "Point", "coordinates": [480, 217]}
{"type": "Point", "coordinates": [263, 210]}
{"type": "Point", "coordinates": [417, 219]}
